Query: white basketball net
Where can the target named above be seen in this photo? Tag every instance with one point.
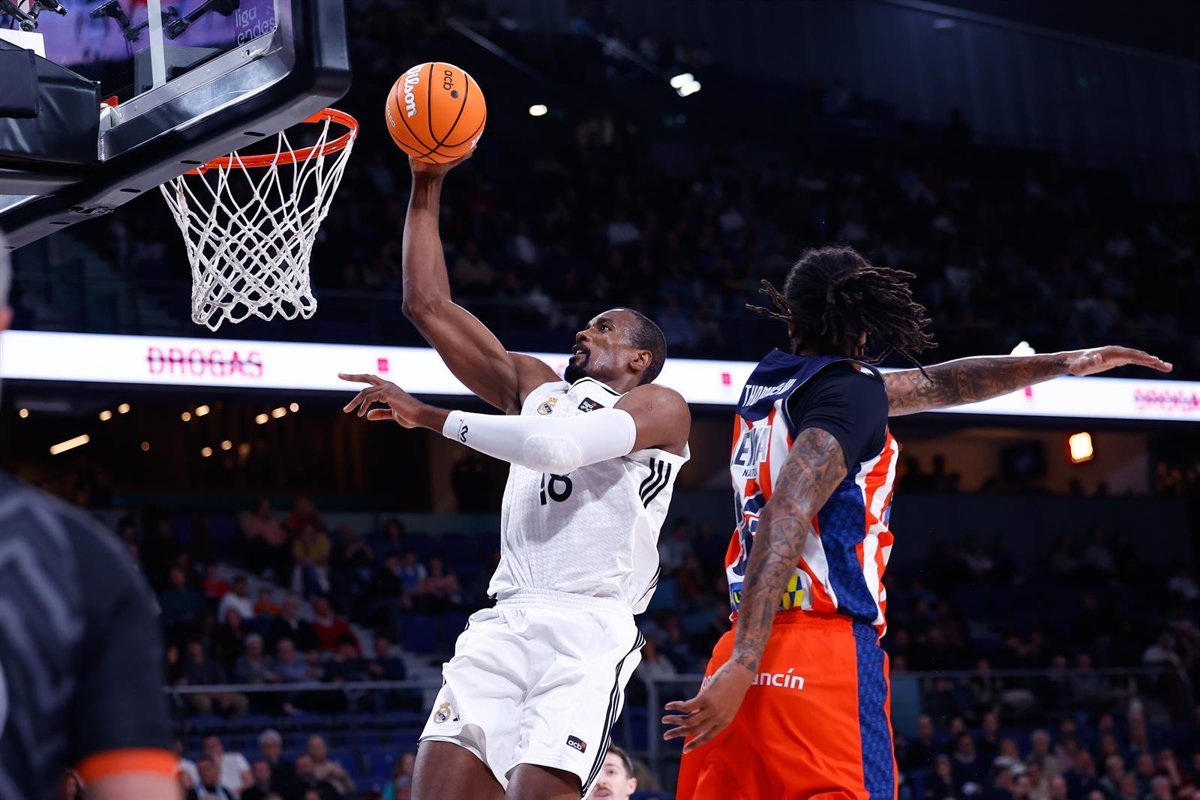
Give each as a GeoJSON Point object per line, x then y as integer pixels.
{"type": "Point", "coordinates": [249, 229]}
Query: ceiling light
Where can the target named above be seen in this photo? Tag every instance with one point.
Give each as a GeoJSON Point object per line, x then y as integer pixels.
{"type": "Point", "coordinates": [538, 110]}
{"type": "Point", "coordinates": [294, 407]}
{"type": "Point", "coordinates": [186, 416]}
{"type": "Point", "coordinates": [278, 412]}
{"type": "Point", "coordinates": [206, 452]}
{"type": "Point", "coordinates": [226, 445]}
{"type": "Point", "coordinates": [1080, 448]}
{"type": "Point", "coordinates": [682, 79]}
{"type": "Point", "coordinates": [105, 415]}
{"type": "Point", "coordinates": [145, 447]}
{"type": "Point", "coordinates": [261, 419]}
{"type": "Point", "coordinates": [23, 413]}
{"type": "Point", "coordinates": [202, 411]}
{"type": "Point", "coordinates": [70, 444]}
{"type": "Point", "coordinates": [123, 408]}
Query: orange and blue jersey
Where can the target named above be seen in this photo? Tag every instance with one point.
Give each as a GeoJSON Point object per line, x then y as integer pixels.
{"type": "Point", "coordinates": [841, 568]}
{"type": "Point", "coordinates": [816, 721]}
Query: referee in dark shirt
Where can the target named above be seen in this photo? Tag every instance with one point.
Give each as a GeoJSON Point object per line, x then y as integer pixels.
{"type": "Point", "coordinates": [80, 657]}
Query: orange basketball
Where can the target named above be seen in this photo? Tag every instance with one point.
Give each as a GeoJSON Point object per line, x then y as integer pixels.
{"type": "Point", "coordinates": [436, 112]}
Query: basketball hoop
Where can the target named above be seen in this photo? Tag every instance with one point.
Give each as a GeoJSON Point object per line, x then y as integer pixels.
{"type": "Point", "coordinates": [249, 223]}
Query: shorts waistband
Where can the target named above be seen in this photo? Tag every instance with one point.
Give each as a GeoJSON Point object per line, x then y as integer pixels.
{"type": "Point", "coordinates": [545, 598]}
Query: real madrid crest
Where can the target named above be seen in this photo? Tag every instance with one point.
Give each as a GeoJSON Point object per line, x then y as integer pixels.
{"type": "Point", "coordinates": [548, 406]}
{"type": "Point", "coordinates": [442, 714]}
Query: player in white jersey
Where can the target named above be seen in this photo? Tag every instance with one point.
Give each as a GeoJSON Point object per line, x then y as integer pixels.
{"type": "Point", "coordinates": [537, 682]}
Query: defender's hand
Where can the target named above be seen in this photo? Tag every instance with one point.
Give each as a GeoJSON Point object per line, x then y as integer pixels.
{"type": "Point", "coordinates": [710, 711]}
{"type": "Point", "coordinates": [1102, 359]}
{"type": "Point", "coordinates": [402, 407]}
{"type": "Point", "coordinates": [425, 168]}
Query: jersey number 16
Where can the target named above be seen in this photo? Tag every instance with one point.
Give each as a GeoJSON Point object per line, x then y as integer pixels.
{"type": "Point", "coordinates": [558, 488]}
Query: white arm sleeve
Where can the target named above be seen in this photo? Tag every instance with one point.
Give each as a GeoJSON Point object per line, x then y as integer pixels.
{"type": "Point", "coordinates": [556, 446]}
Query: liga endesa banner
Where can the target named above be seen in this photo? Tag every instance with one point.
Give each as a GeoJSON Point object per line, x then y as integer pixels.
{"type": "Point", "coordinates": [170, 361]}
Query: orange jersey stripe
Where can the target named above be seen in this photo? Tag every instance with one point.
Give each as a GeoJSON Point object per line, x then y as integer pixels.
{"type": "Point", "coordinates": [126, 762]}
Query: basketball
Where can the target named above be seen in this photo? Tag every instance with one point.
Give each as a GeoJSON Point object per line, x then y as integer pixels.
{"type": "Point", "coordinates": [436, 112]}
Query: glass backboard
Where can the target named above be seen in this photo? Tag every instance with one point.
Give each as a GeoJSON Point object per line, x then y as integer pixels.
{"type": "Point", "coordinates": [191, 80]}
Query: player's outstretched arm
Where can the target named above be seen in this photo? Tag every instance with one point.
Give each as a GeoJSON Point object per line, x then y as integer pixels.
{"type": "Point", "coordinates": [470, 350]}
{"type": "Point", "coordinates": [656, 418]}
{"type": "Point", "coordinates": [970, 380]}
{"type": "Point", "coordinates": [814, 467]}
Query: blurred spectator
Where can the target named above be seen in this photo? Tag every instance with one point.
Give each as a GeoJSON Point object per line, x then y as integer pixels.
{"type": "Point", "coordinates": [292, 667]}
{"type": "Point", "coordinates": [326, 770]}
{"type": "Point", "coordinates": [200, 670]}
{"type": "Point", "coordinates": [254, 666]}
{"type": "Point", "coordinates": [307, 780]}
{"type": "Point", "coordinates": [71, 789]}
{"type": "Point", "coordinates": [310, 552]}
{"type": "Point", "coordinates": [347, 664]}
{"type": "Point", "coordinates": [288, 625]}
{"type": "Point", "coordinates": [942, 784]}
{"type": "Point", "coordinates": [214, 584]}
{"type": "Point", "coordinates": [179, 603]}
{"type": "Point", "coordinates": [266, 606]}
{"type": "Point", "coordinates": [229, 641]}
{"type": "Point", "coordinates": [283, 773]}
{"type": "Point", "coordinates": [968, 767]}
{"type": "Point", "coordinates": [261, 788]}
{"type": "Point", "coordinates": [267, 550]}
{"type": "Point", "coordinates": [209, 786]}
{"type": "Point", "coordinates": [439, 590]}
{"type": "Point", "coordinates": [923, 748]}
{"type": "Point", "coordinates": [327, 626]}
{"type": "Point", "coordinates": [412, 572]}
{"type": "Point", "coordinates": [233, 768]}
{"type": "Point", "coordinates": [238, 599]}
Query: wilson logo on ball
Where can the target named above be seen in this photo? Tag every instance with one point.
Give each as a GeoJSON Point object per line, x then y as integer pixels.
{"type": "Point", "coordinates": [411, 79]}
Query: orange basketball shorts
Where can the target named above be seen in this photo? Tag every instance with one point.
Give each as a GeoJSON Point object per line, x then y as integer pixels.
{"type": "Point", "coordinates": [816, 723]}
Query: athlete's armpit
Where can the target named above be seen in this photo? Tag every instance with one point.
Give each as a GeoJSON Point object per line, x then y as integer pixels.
{"type": "Point", "coordinates": [814, 467]}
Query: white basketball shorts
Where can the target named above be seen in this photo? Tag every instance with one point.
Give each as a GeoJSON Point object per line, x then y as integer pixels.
{"type": "Point", "coordinates": [538, 679]}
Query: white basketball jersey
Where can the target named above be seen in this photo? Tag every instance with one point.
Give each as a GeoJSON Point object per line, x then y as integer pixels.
{"type": "Point", "coordinates": [593, 532]}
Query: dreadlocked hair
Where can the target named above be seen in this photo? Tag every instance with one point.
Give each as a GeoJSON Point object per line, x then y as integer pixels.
{"type": "Point", "coordinates": [833, 295]}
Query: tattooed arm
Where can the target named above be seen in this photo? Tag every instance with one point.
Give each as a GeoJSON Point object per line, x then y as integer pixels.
{"type": "Point", "coordinates": [969, 380]}
{"type": "Point", "coordinates": [814, 467]}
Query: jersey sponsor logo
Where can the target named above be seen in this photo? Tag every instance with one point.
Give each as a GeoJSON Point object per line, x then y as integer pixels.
{"type": "Point", "coordinates": [753, 394]}
{"type": "Point", "coordinates": [752, 449]}
{"type": "Point", "coordinates": [444, 713]}
{"type": "Point", "coordinates": [777, 680]}
{"type": "Point", "coordinates": [548, 406]}
{"type": "Point", "coordinates": [589, 404]}
{"type": "Point", "coordinates": [577, 743]}
{"type": "Point", "coordinates": [793, 595]}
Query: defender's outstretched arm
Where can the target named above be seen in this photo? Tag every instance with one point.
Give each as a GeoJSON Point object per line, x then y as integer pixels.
{"type": "Point", "coordinates": [970, 380]}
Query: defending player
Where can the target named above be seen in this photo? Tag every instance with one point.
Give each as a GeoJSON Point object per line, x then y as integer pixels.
{"type": "Point", "coordinates": [80, 660]}
{"type": "Point", "coordinates": [812, 467]}
{"type": "Point", "coordinates": [536, 682]}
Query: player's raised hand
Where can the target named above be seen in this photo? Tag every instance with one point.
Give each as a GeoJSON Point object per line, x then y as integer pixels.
{"type": "Point", "coordinates": [402, 407]}
{"type": "Point", "coordinates": [426, 168]}
{"type": "Point", "coordinates": [708, 713]}
{"type": "Point", "coordinates": [1102, 359]}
